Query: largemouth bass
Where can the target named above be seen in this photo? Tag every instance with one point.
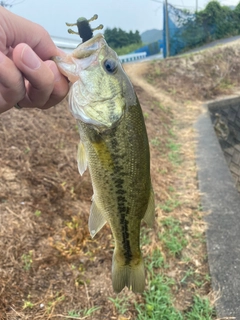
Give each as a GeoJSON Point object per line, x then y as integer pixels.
{"type": "Point", "coordinates": [114, 146]}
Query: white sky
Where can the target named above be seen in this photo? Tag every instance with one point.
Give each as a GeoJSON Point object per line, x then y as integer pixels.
{"type": "Point", "coordinates": [128, 15]}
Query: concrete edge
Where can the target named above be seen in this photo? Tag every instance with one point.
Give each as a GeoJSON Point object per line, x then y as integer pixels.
{"type": "Point", "coordinates": [219, 197]}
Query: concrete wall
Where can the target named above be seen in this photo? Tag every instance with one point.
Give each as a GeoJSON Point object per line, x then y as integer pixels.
{"type": "Point", "coordinates": [225, 116]}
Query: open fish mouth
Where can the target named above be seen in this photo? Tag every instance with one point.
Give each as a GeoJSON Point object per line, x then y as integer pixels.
{"type": "Point", "coordinates": [89, 47]}
{"type": "Point", "coordinates": [81, 58]}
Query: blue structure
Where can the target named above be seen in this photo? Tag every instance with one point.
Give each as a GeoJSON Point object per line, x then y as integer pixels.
{"type": "Point", "coordinates": [151, 48]}
{"type": "Point", "coordinates": [185, 31]}
{"type": "Point", "coordinates": [178, 22]}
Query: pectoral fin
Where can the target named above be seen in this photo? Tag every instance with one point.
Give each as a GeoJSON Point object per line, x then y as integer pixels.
{"type": "Point", "coordinates": [150, 212]}
{"type": "Point", "coordinates": [96, 219]}
{"type": "Point", "coordinates": [81, 158]}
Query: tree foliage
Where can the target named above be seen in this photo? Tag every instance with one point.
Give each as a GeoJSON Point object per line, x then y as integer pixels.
{"type": "Point", "coordinates": [218, 21]}
{"type": "Point", "coordinates": [118, 38]}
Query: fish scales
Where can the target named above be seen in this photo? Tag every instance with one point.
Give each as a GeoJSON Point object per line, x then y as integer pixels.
{"type": "Point", "coordinates": [114, 146]}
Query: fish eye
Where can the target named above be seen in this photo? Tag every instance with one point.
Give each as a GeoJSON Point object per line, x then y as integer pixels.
{"type": "Point", "coordinates": [110, 65]}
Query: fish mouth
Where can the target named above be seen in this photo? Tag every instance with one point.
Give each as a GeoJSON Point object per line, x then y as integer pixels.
{"type": "Point", "coordinates": [85, 104]}
{"type": "Point", "coordinates": [81, 58]}
{"type": "Point", "coordinates": [90, 47]}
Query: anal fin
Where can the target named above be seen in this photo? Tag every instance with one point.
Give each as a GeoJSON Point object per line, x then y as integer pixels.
{"type": "Point", "coordinates": [96, 219]}
{"type": "Point", "coordinates": [150, 212]}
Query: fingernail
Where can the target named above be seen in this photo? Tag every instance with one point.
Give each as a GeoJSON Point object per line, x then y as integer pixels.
{"type": "Point", "coordinates": [30, 59]}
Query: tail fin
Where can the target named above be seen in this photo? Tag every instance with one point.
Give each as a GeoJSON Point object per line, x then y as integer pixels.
{"type": "Point", "coordinates": [131, 275]}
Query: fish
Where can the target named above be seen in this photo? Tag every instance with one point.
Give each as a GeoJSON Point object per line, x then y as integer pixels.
{"type": "Point", "coordinates": [114, 146]}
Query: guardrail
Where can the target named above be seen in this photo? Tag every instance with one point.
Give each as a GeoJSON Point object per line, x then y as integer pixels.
{"type": "Point", "coordinates": [132, 57]}
{"type": "Point", "coordinates": [68, 46]}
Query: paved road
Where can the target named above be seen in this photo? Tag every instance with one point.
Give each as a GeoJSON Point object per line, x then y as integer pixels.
{"type": "Point", "coordinates": [214, 44]}
{"type": "Point", "coordinates": [206, 46]}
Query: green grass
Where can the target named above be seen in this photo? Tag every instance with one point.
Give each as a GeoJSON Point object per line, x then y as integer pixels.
{"type": "Point", "coordinates": [174, 153]}
{"type": "Point", "coordinates": [37, 213]}
{"type": "Point", "coordinates": [155, 142]}
{"type": "Point", "coordinates": [121, 304]}
{"type": "Point", "coordinates": [27, 260]}
{"type": "Point", "coordinates": [158, 298]}
{"type": "Point", "coordinates": [200, 310]}
{"type": "Point", "coordinates": [28, 303]}
{"type": "Point", "coordinates": [158, 301]}
{"type": "Point", "coordinates": [157, 260]}
{"type": "Point", "coordinates": [73, 314]}
{"type": "Point", "coordinates": [169, 205]}
{"type": "Point", "coordinates": [146, 115]}
{"type": "Point", "coordinates": [172, 236]}
{"type": "Point", "coordinates": [144, 236]}
{"type": "Point", "coordinates": [86, 312]}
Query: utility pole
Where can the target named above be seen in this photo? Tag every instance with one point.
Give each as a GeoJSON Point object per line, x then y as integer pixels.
{"type": "Point", "coordinates": [167, 29]}
{"type": "Point", "coordinates": [196, 5]}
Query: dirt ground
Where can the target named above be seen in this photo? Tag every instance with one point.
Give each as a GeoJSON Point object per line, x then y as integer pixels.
{"type": "Point", "coordinates": [49, 265]}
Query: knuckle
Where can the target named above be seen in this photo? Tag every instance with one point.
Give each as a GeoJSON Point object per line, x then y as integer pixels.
{"type": "Point", "coordinates": [45, 80]}
{"type": "Point", "coordinates": [39, 98]}
{"type": "Point", "coordinates": [11, 96]}
{"type": "Point", "coordinates": [37, 103]}
{"type": "Point", "coordinates": [41, 31]}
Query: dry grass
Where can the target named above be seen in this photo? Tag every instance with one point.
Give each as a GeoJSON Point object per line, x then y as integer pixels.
{"type": "Point", "coordinates": [198, 76]}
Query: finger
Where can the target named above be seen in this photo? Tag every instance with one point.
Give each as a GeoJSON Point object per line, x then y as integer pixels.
{"type": "Point", "coordinates": [61, 86]}
{"type": "Point", "coordinates": [15, 30]}
{"type": "Point", "coordinates": [12, 88]}
{"type": "Point", "coordinates": [39, 75]}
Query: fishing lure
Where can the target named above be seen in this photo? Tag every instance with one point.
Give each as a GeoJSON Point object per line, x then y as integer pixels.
{"type": "Point", "coordinates": [84, 29]}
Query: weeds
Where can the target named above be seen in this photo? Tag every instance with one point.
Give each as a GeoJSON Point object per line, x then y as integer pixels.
{"type": "Point", "coordinates": [201, 310]}
{"type": "Point", "coordinates": [27, 260]}
{"type": "Point", "coordinates": [158, 300]}
{"type": "Point", "coordinates": [155, 142]}
{"type": "Point", "coordinates": [27, 150]}
{"type": "Point", "coordinates": [58, 298]}
{"type": "Point", "coordinates": [86, 312]}
{"type": "Point", "coordinates": [174, 154]}
{"type": "Point", "coordinates": [144, 236]}
{"type": "Point", "coordinates": [169, 205]}
{"type": "Point", "coordinates": [73, 314]}
{"type": "Point", "coordinates": [28, 303]}
{"type": "Point", "coordinates": [146, 115]}
{"type": "Point", "coordinates": [37, 213]}
{"type": "Point", "coordinates": [121, 303]}
{"type": "Point", "coordinates": [157, 260]}
{"type": "Point", "coordinates": [172, 236]}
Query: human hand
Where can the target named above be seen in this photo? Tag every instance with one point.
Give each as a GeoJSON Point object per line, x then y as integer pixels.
{"type": "Point", "coordinates": [27, 75]}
